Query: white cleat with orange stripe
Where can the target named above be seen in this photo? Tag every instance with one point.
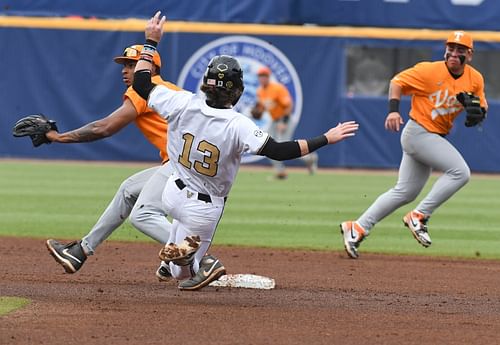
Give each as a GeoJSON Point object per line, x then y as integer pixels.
{"type": "Point", "coordinates": [417, 223]}
{"type": "Point", "coordinates": [353, 235]}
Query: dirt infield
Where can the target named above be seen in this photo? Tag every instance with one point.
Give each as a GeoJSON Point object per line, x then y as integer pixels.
{"type": "Point", "coordinates": [321, 298]}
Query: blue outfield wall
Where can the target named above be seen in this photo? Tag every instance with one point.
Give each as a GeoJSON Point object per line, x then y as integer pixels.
{"type": "Point", "coordinates": [437, 14]}
{"type": "Point", "coordinates": [69, 75]}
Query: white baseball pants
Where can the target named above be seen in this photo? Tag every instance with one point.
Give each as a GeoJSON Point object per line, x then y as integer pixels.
{"type": "Point", "coordinates": [191, 216]}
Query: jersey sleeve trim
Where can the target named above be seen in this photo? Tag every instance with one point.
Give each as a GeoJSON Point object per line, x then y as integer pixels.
{"type": "Point", "coordinates": [263, 145]}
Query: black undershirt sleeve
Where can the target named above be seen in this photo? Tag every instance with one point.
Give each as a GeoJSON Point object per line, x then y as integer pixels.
{"type": "Point", "coordinates": [142, 83]}
{"type": "Point", "coordinates": [290, 149]}
{"type": "Point", "coordinates": [280, 151]}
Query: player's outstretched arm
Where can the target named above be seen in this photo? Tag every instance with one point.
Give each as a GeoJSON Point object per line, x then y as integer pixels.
{"type": "Point", "coordinates": [99, 129]}
{"type": "Point", "coordinates": [295, 149]}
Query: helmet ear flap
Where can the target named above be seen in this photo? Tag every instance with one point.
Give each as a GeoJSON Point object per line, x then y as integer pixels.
{"type": "Point", "coordinates": [237, 95]}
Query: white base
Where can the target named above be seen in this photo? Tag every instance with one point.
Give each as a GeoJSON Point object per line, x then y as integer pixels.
{"type": "Point", "coordinates": [247, 281]}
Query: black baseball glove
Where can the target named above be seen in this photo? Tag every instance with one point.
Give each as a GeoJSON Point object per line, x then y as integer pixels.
{"type": "Point", "coordinates": [257, 111]}
{"type": "Point", "coordinates": [472, 105]}
{"type": "Point", "coordinates": [34, 126]}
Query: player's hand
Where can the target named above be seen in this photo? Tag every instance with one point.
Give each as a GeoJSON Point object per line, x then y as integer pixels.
{"type": "Point", "coordinates": [154, 27]}
{"type": "Point", "coordinates": [393, 122]}
{"type": "Point", "coordinates": [342, 131]}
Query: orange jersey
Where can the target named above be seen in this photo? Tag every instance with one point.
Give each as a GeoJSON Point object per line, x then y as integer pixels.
{"type": "Point", "coordinates": [434, 104]}
{"type": "Point", "coordinates": [152, 125]}
{"type": "Point", "coordinates": [275, 98]}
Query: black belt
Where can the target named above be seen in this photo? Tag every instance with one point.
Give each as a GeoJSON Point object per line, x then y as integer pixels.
{"type": "Point", "coordinates": [202, 197]}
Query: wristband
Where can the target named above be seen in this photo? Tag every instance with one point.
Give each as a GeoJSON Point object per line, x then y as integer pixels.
{"type": "Point", "coordinates": [148, 49]}
{"type": "Point", "coordinates": [315, 143]}
{"type": "Point", "coordinates": [151, 43]}
{"type": "Point", "coordinates": [394, 105]}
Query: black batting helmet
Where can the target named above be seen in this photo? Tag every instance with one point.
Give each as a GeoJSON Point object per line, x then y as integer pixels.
{"type": "Point", "coordinates": [224, 71]}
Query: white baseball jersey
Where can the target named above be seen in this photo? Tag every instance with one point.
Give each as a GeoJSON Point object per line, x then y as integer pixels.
{"type": "Point", "coordinates": [205, 144]}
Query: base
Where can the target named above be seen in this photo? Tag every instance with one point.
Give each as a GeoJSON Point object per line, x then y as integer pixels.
{"type": "Point", "coordinates": [247, 281]}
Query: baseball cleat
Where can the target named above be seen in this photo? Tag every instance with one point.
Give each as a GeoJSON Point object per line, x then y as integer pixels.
{"type": "Point", "coordinates": [281, 176]}
{"type": "Point", "coordinates": [417, 223]}
{"type": "Point", "coordinates": [163, 272]}
{"type": "Point", "coordinates": [70, 256]}
{"type": "Point", "coordinates": [182, 254]}
{"type": "Point", "coordinates": [210, 269]}
{"type": "Point", "coordinates": [353, 234]}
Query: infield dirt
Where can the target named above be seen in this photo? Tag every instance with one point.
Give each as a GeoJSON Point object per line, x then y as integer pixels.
{"type": "Point", "coordinates": [320, 298]}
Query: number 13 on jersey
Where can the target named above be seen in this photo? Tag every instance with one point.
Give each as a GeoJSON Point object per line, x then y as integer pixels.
{"type": "Point", "coordinates": [211, 153]}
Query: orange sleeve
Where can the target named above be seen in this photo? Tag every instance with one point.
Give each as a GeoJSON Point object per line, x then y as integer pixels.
{"type": "Point", "coordinates": [138, 102]}
{"type": "Point", "coordinates": [413, 80]}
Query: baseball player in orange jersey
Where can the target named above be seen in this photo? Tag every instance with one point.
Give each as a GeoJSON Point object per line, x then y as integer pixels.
{"type": "Point", "coordinates": [275, 98]}
{"type": "Point", "coordinates": [206, 141]}
{"type": "Point", "coordinates": [133, 190]}
{"type": "Point", "coordinates": [438, 90]}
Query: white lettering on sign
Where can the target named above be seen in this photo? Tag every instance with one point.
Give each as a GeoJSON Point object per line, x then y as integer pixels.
{"type": "Point", "coordinates": [467, 2]}
{"type": "Point", "coordinates": [453, 2]}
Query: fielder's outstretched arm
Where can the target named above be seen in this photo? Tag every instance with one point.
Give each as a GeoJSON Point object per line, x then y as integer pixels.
{"type": "Point", "coordinates": [99, 129]}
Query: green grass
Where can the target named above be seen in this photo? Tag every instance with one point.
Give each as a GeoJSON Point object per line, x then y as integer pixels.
{"type": "Point", "coordinates": [8, 304]}
{"type": "Point", "coordinates": [64, 200]}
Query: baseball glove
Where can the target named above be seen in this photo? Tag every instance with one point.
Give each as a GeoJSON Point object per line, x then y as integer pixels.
{"type": "Point", "coordinates": [34, 126]}
{"type": "Point", "coordinates": [257, 111]}
{"type": "Point", "coordinates": [472, 105]}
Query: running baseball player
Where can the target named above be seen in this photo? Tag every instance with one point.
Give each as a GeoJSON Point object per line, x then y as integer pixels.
{"type": "Point", "coordinates": [133, 190]}
{"type": "Point", "coordinates": [440, 91]}
{"type": "Point", "coordinates": [206, 141]}
{"type": "Point", "coordinates": [274, 98]}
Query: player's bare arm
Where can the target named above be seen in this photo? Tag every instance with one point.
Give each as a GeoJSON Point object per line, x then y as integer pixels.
{"type": "Point", "coordinates": [394, 121]}
{"type": "Point", "coordinates": [99, 129]}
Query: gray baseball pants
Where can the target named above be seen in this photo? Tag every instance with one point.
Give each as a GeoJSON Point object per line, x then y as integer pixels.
{"type": "Point", "coordinates": [143, 189]}
{"type": "Point", "coordinates": [422, 152]}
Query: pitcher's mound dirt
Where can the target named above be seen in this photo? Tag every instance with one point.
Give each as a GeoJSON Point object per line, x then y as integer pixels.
{"type": "Point", "coordinates": [320, 298]}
